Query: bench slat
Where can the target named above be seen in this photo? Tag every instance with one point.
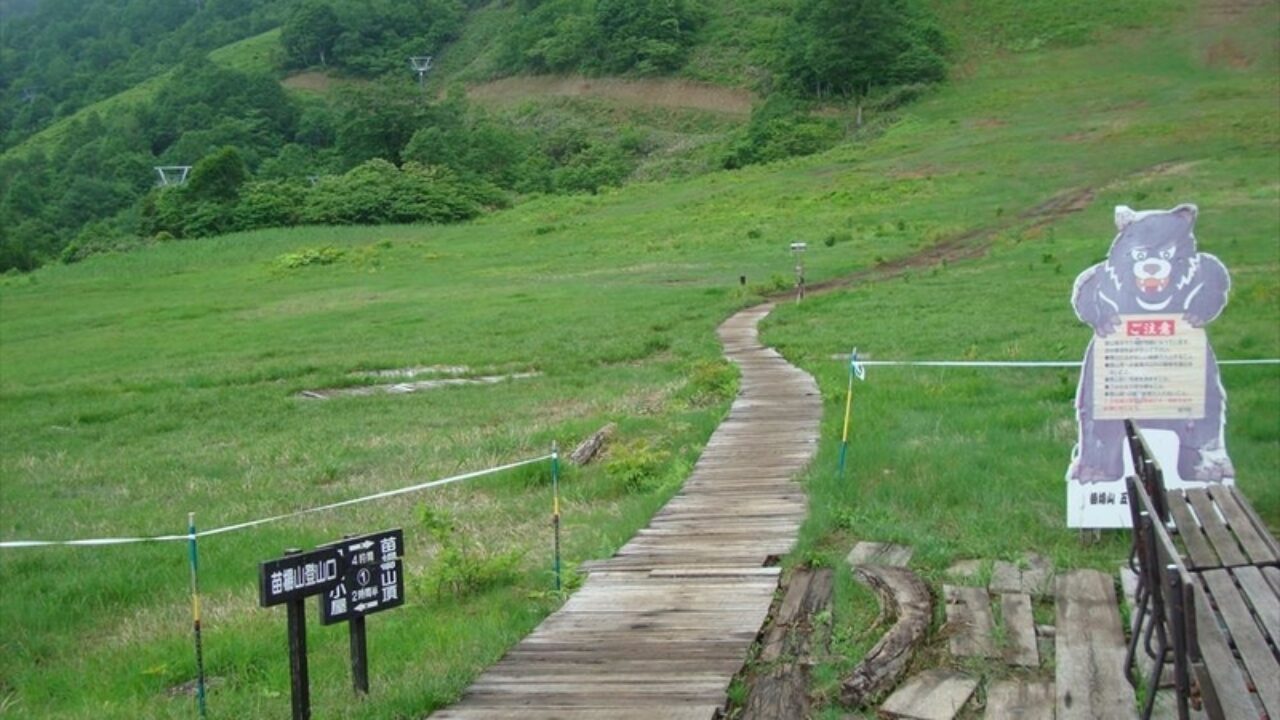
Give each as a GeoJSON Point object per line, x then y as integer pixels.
{"type": "Point", "coordinates": [1264, 599]}
{"type": "Point", "coordinates": [1273, 576]}
{"type": "Point", "coordinates": [1223, 542]}
{"type": "Point", "coordinates": [1254, 540]}
{"type": "Point", "coordinates": [1226, 682]}
{"type": "Point", "coordinates": [1202, 556]}
{"type": "Point", "coordinates": [1257, 657]}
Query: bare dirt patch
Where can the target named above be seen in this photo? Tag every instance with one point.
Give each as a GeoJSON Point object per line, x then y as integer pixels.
{"type": "Point", "coordinates": [1224, 12]}
{"type": "Point", "coordinates": [653, 92]}
{"type": "Point", "coordinates": [406, 388]}
{"type": "Point", "coordinates": [310, 81]}
{"type": "Point", "coordinates": [1225, 53]}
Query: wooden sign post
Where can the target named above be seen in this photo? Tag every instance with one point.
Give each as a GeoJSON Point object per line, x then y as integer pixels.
{"type": "Point", "coordinates": [355, 577]}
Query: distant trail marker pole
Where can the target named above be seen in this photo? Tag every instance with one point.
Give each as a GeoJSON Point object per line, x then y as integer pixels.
{"type": "Point", "coordinates": [421, 64]}
{"type": "Point", "coordinates": [555, 506]}
{"type": "Point", "coordinates": [195, 613]}
{"type": "Point", "coordinates": [797, 249]}
{"type": "Point", "coordinates": [855, 370]}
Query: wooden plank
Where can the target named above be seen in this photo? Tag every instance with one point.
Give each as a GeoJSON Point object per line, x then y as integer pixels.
{"type": "Point", "coordinates": [969, 622]}
{"type": "Point", "coordinates": [1020, 700]}
{"type": "Point", "coordinates": [1005, 578]}
{"type": "Point", "coordinates": [1037, 577]}
{"type": "Point", "coordinates": [1264, 599]}
{"type": "Point", "coordinates": [874, 553]}
{"type": "Point", "coordinates": [1224, 543]}
{"type": "Point", "coordinates": [1253, 516]}
{"type": "Point", "coordinates": [1253, 539]}
{"type": "Point", "coordinates": [1020, 630]}
{"type": "Point", "coordinates": [1219, 662]}
{"type": "Point", "coordinates": [1247, 637]}
{"type": "Point", "coordinates": [932, 695]}
{"type": "Point", "coordinates": [1201, 555]}
{"type": "Point", "coordinates": [1272, 575]}
{"type": "Point", "coordinates": [1089, 649]}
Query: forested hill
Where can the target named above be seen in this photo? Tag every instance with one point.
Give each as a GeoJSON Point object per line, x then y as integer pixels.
{"type": "Point", "coordinates": [96, 93]}
{"type": "Point", "coordinates": [58, 56]}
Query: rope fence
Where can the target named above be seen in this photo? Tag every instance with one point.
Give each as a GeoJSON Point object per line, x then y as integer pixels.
{"type": "Point", "coordinates": [275, 518]}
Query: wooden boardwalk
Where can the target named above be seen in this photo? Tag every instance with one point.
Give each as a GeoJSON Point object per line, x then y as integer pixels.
{"type": "Point", "coordinates": [660, 629]}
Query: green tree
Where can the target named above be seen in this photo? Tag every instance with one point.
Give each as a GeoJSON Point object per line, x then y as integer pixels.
{"type": "Point", "coordinates": [647, 36]}
{"type": "Point", "coordinates": [849, 47]}
{"type": "Point", "coordinates": [218, 177]}
{"type": "Point", "coordinates": [309, 32]}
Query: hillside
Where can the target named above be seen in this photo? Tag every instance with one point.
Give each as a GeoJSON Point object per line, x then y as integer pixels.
{"type": "Point", "coordinates": [139, 386]}
{"type": "Point", "coordinates": [77, 178]}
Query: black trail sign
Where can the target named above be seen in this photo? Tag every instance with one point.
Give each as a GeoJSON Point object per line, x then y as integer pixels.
{"type": "Point", "coordinates": [294, 577]}
{"type": "Point", "coordinates": [372, 578]}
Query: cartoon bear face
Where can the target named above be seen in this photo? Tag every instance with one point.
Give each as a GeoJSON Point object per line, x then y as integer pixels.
{"type": "Point", "coordinates": [1154, 256]}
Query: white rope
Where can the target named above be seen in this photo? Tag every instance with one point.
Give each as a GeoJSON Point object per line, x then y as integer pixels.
{"type": "Point", "coordinates": [264, 521]}
{"type": "Point", "coordinates": [1012, 363]}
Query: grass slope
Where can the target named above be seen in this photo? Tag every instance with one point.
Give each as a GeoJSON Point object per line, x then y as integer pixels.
{"type": "Point", "coordinates": [138, 387]}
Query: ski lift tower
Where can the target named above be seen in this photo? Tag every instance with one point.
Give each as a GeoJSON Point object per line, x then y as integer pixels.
{"type": "Point", "coordinates": [421, 64]}
{"type": "Point", "coordinates": [172, 175]}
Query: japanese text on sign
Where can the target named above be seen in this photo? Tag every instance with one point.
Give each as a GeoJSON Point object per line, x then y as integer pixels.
{"type": "Point", "coordinates": [298, 576]}
{"type": "Point", "coordinates": [372, 581]}
{"type": "Point", "coordinates": [1153, 368]}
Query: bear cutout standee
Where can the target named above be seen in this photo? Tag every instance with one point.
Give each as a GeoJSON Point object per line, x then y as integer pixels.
{"type": "Point", "coordinates": [1148, 360]}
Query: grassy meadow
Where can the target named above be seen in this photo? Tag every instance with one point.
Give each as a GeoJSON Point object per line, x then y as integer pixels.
{"type": "Point", "coordinates": [138, 387]}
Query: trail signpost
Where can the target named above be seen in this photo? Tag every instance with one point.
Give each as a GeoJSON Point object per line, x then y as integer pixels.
{"type": "Point", "coordinates": [373, 582]}
{"type": "Point", "coordinates": [354, 577]}
{"type": "Point", "coordinates": [798, 249]}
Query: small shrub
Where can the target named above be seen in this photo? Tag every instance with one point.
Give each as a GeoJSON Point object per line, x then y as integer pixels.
{"type": "Point", "coordinates": [306, 257]}
{"type": "Point", "coordinates": [710, 381]}
{"type": "Point", "coordinates": [635, 467]}
{"type": "Point", "coordinates": [833, 238]}
{"type": "Point", "coordinates": [462, 566]}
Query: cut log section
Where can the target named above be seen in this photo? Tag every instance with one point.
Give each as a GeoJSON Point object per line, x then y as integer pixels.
{"type": "Point", "coordinates": [906, 597]}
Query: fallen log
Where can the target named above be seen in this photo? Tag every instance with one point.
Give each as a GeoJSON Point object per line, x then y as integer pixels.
{"type": "Point", "coordinates": [902, 595]}
{"type": "Point", "coordinates": [586, 451]}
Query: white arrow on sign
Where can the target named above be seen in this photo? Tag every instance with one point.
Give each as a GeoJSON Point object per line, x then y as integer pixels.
{"type": "Point", "coordinates": [365, 606]}
{"type": "Point", "coordinates": [362, 546]}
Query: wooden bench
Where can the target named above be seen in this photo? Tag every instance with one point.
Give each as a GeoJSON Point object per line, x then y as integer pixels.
{"type": "Point", "coordinates": [1209, 594]}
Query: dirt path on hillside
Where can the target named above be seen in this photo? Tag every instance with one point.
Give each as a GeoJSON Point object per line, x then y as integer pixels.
{"type": "Point", "coordinates": [974, 243]}
{"type": "Point", "coordinates": [652, 92]}
{"type": "Point", "coordinates": [964, 246]}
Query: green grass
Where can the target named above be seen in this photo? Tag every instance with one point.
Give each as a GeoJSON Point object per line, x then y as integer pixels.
{"type": "Point", "coordinates": [138, 387]}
